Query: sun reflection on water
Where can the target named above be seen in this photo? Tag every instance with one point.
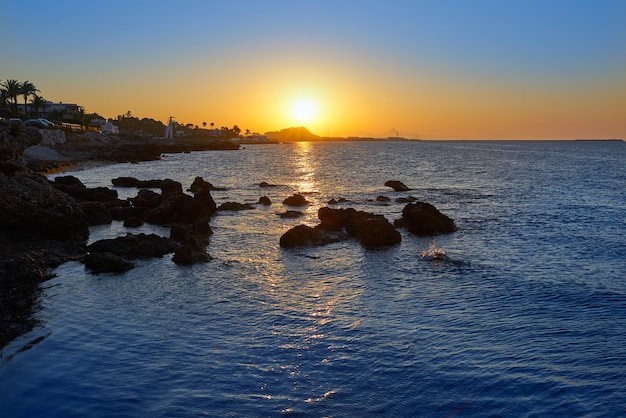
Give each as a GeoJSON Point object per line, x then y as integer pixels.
{"type": "Point", "coordinates": [304, 167]}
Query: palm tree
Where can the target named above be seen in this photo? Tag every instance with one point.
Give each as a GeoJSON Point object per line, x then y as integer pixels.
{"type": "Point", "coordinates": [3, 98]}
{"type": "Point", "coordinates": [26, 89]}
{"type": "Point", "coordinates": [12, 90]}
{"type": "Point", "coordinates": [37, 102]}
{"type": "Point", "coordinates": [212, 125]}
{"type": "Point", "coordinates": [204, 124]}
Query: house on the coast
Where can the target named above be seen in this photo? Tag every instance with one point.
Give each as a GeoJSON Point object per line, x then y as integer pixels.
{"type": "Point", "coordinates": [64, 110]}
{"type": "Point", "coordinates": [104, 126]}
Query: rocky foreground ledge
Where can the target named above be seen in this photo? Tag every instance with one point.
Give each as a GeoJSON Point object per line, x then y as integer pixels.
{"type": "Point", "coordinates": [57, 149]}
{"type": "Point", "coordinates": [44, 224]}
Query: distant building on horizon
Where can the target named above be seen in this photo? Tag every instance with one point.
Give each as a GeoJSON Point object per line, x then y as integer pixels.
{"type": "Point", "coordinates": [67, 110]}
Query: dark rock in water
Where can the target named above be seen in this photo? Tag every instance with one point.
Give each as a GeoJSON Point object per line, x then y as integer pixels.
{"type": "Point", "coordinates": [290, 214]}
{"type": "Point", "coordinates": [296, 200]}
{"type": "Point", "coordinates": [133, 182]}
{"type": "Point", "coordinates": [180, 207]}
{"type": "Point", "coordinates": [75, 188]}
{"type": "Point", "coordinates": [171, 187]}
{"type": "Point", "coordinates": [181, 232]}
{"type": "Point", "coordinates": [234, 206]}
{"type": "Point", "coordinates": [406, 199]}
{"type": "Point", "coordinates": [200, 185]}
{"type": "Point", "coordinates": [69, 181]}
{"type": "Point", "coordinates": [121, 213]}
{"type": "Point", "coordinates": [424, 219]}
{"type": "Point", "coordinates": [186, 256]}
{"type": "Point", "coordinates": [303, 235]}
{"type": "Point", "coordinates": [134, 246]}
{"type": "Point", "coordinates": [264, 200]}
{"type": "Point", "coordinates": [133, 222]}
{"type": "Point", "coordinates": [373, 231]}
{"type": "Point", "coordinates": [204, 198]}
{"type": "Point", "coordinates": [383, 199]}
{"type": "Point", "coordinates": [96, 212]}
{"type": "Point", "coordinates": [191, 240]}
{"type": "Point", "coordinates": [336, 201]}
{"type": "Point", "coordinates": [107, 263]}
{"type": "Point", "coordinates": [146, 199]}
{"type": "Point", "coordinates": [397, 185]}
{"type": "Point", "coordinates": [266, 184]}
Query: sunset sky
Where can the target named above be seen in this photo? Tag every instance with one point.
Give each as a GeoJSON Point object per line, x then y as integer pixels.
{"type": "Point", "coordinates": [446, 69]}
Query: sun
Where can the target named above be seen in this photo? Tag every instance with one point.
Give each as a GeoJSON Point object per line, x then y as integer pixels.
{"type": "Point", "coordinates": [303, 110]}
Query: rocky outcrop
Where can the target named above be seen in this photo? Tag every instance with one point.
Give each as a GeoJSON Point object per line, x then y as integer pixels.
{"type": "Point", "coordinates": [115, 255]}
{"type": "Point", "coordinates": [29, 204]}
{"type": "Point", "coordinates": [372, 231]}
{"type": "Point", "coordinates": [397, 185]}
{"type": "Point", "coordinates": [303, 235]}
{"type": "Point", "coordinates": [296, 200]}
{"type": "Point", "coordinates": [201, 185]}
{"type": "Point", "coordinates": [133, 182]}
{"type": "Point", "coordinates": [40, 228]}
{"type": "Point", "coordinates": [265, 201]}
{"type": "Point", "coordinates": [423, 219]}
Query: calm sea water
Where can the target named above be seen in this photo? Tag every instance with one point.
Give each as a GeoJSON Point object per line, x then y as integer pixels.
{"type": "Point", "coordinates": [526, 318]}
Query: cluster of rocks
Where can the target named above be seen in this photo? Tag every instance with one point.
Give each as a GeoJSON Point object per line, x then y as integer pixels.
{"type": "Point", "coordinates": [187, 216]}
{"type": "Point", "coordinates": [372, 231]}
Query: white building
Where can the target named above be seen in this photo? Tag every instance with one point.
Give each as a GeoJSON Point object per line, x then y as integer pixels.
{"type": "Point", "coordinates": [69, 110]}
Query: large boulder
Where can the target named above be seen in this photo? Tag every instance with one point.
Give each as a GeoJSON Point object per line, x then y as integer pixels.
{"type": "Point", "coordinates": [28, 203]}
{"type": "Point", "coordinates": [191, 241]}
{"type": "Point", "coordinates": [296, 200]}
{"type": "Point", "coordinates": [75, 188]}
{"type": "Point", "coordinates": [106, 262]}
{"type": "Point", "coordinates": [146, 199]}
{"type": "Point", "coordinates": [423, 219]}
{"type": "Point", "coordinates": [134, 246]}
{"type": "Point", "coordinates": [372, 231]}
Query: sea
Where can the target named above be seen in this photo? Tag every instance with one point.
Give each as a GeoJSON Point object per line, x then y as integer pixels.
{"type": "Point", "coordinates": [525, 316]}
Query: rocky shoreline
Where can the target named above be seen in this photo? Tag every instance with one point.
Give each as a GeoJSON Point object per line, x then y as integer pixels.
{"type": "Point", "coordinates": [42, 225]}
{"type": "Point", "coordinates": [46, 223]}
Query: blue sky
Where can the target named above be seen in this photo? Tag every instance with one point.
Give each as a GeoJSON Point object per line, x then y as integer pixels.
{"type": "Point", "coordinates": [415, 66]}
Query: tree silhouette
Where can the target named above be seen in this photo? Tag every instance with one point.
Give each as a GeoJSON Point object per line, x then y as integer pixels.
{"type": "Point", "coordinates": [204, 124]}
{"type": "Point", "coordinates": [12, 88]}
{"type": "Point", "coordinates": [37, 102]}
{"type": "Point", "coordinates": [26, 89]}
{"type": "Point", "coordinates": [212, 125]}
